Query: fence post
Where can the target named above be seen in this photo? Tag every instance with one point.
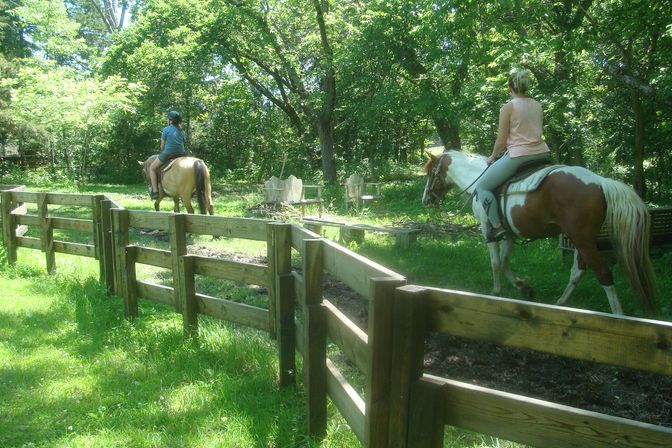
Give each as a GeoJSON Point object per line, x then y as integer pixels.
{"type": "Point", "coordinates": [315, 338]}
{"type": "Point", "coordinates": [130, 295]}
{"type": "Point", "coordinates": [123, 275]}
{"type": "Point", "coordinates": [107, 257]}
{"type": "Point", "coordinates": [284, 298]}
{"type": "Point", "coordinates": [426, 416]}
{"type": "Point", "coordinates": [381, 307]}
{"type": "Point", "coordinates": [9, 227]}
{"type": "Point", "coordinates": [178, 248]}
{"type": "Point", "coordinates": [187, 295]}
{"type": "Point", "coordinates": [272, 286]}
{"type": "Point", "coordinates": [47, 231]}
{"type": "Point", "coordinates": [96, 212]}
{"type": "Point", "coordinates": [408, 348]}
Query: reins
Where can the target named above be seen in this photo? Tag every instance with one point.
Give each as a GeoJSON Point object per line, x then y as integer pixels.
{"type": "Point", "coordinates": [436, 172]}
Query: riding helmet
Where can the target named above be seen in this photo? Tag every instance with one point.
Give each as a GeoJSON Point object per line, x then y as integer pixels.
{"type": "Point", "coordinates": [174, 115]}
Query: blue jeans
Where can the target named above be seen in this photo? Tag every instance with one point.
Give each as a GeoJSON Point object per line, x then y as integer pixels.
{"type": "Point", "coordinates": [496, 175]}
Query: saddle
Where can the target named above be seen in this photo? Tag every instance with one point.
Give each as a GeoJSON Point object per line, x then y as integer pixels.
{"type": "Point", "coordinates": [169, 163]}
{"type": "Point", "coordinates": [527, 178]}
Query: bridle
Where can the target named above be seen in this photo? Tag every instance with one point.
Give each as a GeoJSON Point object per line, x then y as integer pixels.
{"type": "Point", "coordinates": [436, 171]}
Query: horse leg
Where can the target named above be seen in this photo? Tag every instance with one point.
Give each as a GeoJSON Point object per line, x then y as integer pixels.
{"type": "Point", "coordinates": [523, 288]}
{"type": "Point", "coordinates": [156, 203]}
{"type": "Point", "coordinates": [186, 199]}
{"type": "Point", "coordinates": [612, 297]}
{"type": "Point", "coordinates": [594, 261]}
{"type": "Point", "coordinates": [578, 269]}
{"type": "Point", "coordinates": [176, 205]}
{"type": "Point", "coordinates": [493, 248]}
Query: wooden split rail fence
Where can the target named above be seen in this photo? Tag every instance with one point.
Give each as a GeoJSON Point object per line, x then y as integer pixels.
{"type": "Point", "coordinates": [400, 406]}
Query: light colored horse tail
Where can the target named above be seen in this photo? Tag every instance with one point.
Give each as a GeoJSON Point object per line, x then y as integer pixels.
{"type": "Point", "coordinates": [202, 186]}
{"type": "Point", "coordinates": [628, 222]}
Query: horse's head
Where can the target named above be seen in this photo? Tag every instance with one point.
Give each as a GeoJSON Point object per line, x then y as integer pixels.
{"type": "Point", "coordinates": [438, 182]}
{"type": "Point", "coordinates": [145, 166]}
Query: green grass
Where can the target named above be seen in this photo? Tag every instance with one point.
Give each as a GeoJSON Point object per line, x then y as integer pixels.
{"type": "Point", "coordinates": [74, 373]}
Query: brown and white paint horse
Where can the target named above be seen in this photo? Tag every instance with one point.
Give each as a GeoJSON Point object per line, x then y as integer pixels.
{"type": "Point", "coordinates": [572, 200]}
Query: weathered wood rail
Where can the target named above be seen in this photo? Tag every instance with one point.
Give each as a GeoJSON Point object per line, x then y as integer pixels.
{"type": "Point", "coordinates": [349, 232]}
{"type": "Point", "coordinates": [401, 406]}
{"type": "Point", "coordinates": [423, 404]}
{"type": "Point", "coordinates": [320, 320]}
{"type": "Point", "coordinates": [184, 267]}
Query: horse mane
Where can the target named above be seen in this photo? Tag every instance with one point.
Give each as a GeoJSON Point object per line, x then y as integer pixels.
{"type": "Point", "coordinates": [427, 165]}
{"type": "Point", "coordinates": [454, 154]}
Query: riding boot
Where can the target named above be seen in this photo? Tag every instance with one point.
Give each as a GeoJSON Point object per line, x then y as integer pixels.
{"type": "Point", "coordinates": [492, 234]}
{"type": "Point", "coordinates": [495, 234]}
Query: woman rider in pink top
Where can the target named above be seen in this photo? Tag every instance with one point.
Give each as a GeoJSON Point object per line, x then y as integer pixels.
{"type": "Point", "coordinates": [520, 129]}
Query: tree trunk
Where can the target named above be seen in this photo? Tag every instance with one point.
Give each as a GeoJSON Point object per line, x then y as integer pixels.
{"type": "Point", "coordinates": [638, 181]}
{"type": "Point", "coordinates": [325, 119]}
{"type": "Point", "coordinates": [449, 132]}
{"type": "Point", "coordinates": [325, 131]}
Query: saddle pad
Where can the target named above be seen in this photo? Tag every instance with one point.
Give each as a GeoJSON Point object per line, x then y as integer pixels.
{"type": "Point", "coordinates": [531, 182]}
{"type": "Point", "coordinates": [168, 165]}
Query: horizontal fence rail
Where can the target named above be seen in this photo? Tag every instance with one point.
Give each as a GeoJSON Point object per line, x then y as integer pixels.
{"type": "Point", "coordinates": [427, 403]}
{"type": "Point", "coordinates": [369, 351]}
{"type": "Point", "coordinates": [184, 267]}
{"type": "Point", "coordinates": [17, 221]}
{"type": "Point", "coordinates": [537, 422]}
{"type": "Point", "coordinates": [400, 405]}
{"type": "Point", "coordinates": [580, 334]}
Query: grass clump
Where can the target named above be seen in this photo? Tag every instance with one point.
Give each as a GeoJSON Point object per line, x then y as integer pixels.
{"type": "Point", "coordinates": [74, 373]}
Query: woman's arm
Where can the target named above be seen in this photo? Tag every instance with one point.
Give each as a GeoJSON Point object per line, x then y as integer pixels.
{"type": "Point", "coordinates": [502, 132]}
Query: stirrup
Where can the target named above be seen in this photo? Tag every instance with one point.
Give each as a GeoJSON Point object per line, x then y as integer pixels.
{"type": "Point", "coordinates": [494, 235]}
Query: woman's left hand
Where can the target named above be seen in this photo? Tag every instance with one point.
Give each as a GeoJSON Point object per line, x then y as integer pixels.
{"type": "Point", "coordinates": [490, 160]}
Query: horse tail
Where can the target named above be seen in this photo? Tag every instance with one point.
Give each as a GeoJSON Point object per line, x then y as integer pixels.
{"type": "Point", "coordinates": [628, 222]}
{"type": "Point", "coordinates": [202, 175]}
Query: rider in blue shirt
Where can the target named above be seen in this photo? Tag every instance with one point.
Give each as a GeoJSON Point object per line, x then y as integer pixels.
{"type": "Point", "coordinates": [173, 141]}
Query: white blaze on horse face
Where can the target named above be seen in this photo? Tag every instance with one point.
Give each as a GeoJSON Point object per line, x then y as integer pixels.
{"type": "Point", "coordinates": [425, 194]}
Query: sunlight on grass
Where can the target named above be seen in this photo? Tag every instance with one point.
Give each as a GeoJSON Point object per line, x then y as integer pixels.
{"type": "Point", "coordinates": [74, 372]}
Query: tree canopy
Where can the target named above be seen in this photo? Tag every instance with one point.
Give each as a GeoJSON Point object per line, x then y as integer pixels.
{"type": "Point", "coordinates": [333, 86]}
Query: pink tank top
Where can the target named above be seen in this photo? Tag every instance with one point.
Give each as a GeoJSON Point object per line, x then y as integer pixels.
{"type": "Point", "coordinates": [525, 128]}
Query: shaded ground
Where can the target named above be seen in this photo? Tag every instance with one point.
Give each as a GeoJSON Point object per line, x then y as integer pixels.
{"type": "Point", "coordinates": [610, 390]}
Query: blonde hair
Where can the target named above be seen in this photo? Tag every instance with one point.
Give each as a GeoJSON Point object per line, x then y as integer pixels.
{"type": "Point", "coordinates": [519, 80]}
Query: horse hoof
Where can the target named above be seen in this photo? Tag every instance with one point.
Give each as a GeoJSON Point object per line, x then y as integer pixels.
{"type": "Point", "coordinates": [527, 292]}
{"type": "Point", "coordinates": [496, 293]}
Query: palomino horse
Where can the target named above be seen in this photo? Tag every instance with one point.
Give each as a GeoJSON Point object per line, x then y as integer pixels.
{"type": "Point", "coordinates": [179, 179]}
{"type": "Point", "coordinates": [572, 200]}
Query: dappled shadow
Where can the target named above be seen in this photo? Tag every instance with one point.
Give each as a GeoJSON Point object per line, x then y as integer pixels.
{"type": "Point", "coordinates": [103, 374]}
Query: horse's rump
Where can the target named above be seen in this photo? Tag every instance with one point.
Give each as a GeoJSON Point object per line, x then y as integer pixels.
{"type": "Point", "coordinates": [183, 176]}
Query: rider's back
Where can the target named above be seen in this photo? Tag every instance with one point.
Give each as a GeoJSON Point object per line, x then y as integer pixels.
{"type": "Point", "coordinates": [525, 128]}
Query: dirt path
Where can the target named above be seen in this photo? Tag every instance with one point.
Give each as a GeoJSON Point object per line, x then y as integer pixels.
{"type": "Point", "coordinates": [610, 390]}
